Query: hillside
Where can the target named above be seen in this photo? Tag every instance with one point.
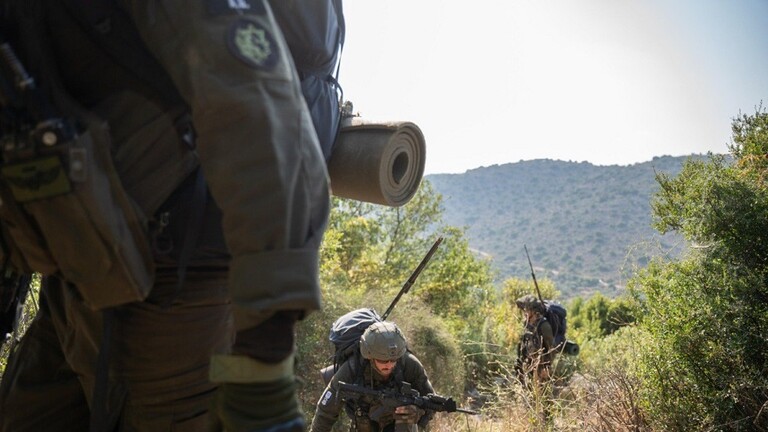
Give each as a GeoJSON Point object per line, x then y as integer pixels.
{"type": "Point", "coordinates": [585, 226]}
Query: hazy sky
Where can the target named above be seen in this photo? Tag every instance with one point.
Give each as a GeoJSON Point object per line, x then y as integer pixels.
{"type": "Point", "coordinates": [604, 81]}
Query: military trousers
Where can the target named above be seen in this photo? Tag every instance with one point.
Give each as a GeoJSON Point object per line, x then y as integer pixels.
{"type": "Point", "coordinates": [158, 362]}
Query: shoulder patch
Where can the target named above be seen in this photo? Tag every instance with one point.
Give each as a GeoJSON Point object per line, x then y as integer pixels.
{"type": "Point", "coordinates": [235, 7]}
{"type": "Point", "coordinates": [253, 44]}
{"type": "Point", "coordinates": [326, 397]}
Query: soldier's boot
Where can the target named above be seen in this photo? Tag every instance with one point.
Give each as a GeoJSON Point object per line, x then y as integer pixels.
{"type": "Point", "coordinates": [257, 391]}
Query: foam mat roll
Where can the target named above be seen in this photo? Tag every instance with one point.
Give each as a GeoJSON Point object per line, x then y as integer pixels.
{"type": "Point", "coordinates": [377, 162]}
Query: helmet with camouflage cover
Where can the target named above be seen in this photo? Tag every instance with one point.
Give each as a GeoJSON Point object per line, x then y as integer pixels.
{"type": "Point", "coordinates": [382, 341]}
{"type": "Point", "coordinates": [530, 302]}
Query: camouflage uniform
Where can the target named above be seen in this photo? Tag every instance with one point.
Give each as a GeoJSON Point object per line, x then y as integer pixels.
{"type": "Point", "coordinates": [536, 349]}
{"type": "Point", "coordinates": [382, 341]}
{"type": "Point", "coordinates": [536, 345]}
{"type": "Point", "coordinates": [358, 371]}
{"type": "Point", "coordinates": [256, 259]}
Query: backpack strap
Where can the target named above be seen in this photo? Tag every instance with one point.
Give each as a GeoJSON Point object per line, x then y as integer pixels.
{"type": "Point", "coordinates": [100, 419]}
{"type": "Point", "coordinates": [399, 373]}
{"type": "Point", "coordinates": [192, 232]}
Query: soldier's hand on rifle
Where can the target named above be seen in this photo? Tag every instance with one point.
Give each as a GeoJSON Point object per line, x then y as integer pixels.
{"type": "Point", "coordinates": [408, 414]}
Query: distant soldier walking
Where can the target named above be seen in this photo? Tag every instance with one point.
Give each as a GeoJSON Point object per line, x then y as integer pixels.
{"type": "Point", "coordinates": [536, 353]}
{"type": "Point", "coordinates": [536, 348]}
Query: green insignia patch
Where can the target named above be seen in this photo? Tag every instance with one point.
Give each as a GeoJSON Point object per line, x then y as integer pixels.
{"type": "Point", "coordinates": [253, 44]}
{"type": "Point", "coordinates": [36, 179]}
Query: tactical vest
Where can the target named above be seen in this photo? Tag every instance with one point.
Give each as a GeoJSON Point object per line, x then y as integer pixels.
{"type": "Point", "coordinates": [75, 202]}
{"type": "Point", "coordinates": [360, 411]}
{"type": "Point", "coordinates": [531, 341]}
{"type": "Point", "coordinates": [82, 207]}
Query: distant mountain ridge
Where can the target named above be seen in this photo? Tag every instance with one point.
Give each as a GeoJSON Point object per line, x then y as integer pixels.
{"type": "Point", "coordinates": [585, 225]}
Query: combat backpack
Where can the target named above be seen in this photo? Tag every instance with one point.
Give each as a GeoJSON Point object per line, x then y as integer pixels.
{"type": "Point", "coordinates": [556, 316]}
{"type": "Point", "coordinates": [345, 336]}
{"type": "Point", "coordinates": [314, 32]}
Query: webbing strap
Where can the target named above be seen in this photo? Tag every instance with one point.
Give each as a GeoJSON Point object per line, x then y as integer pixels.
{"type": "Point", "coordinates": [194, 226]}
{"type": "Point", "coordinates": [100, 421]}
{"type": "Point", "coordinates": [247, 370]}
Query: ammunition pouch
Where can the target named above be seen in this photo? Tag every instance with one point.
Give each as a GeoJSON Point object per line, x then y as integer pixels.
{"type": "Point", "coordinates": [65, 212]}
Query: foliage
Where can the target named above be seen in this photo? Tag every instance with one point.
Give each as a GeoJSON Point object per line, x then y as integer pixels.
{"type": "Point", "coordinates": [707, 313]}
{"type": "Point", "coordinates": [750, 138]}
{"type": "Point", "coordinates": [25, 319]}
{"type": "Point", "coordinates": [367, 254]}
{"type": "Point", "coordinates": [599, 316]}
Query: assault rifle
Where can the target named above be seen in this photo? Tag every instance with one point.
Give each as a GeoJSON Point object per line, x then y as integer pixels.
{"type": "Point", "coordinates": [391, 399]}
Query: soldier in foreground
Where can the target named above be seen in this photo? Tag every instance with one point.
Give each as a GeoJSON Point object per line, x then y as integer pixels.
{"type": "Point", "coordinates": [234, 218]}
{"type": "Point", "coordinates": [383, 363]}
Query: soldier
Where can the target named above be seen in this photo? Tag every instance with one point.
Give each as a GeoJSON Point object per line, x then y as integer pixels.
{"type": "Point", "coordinates": [536, 351]}
{"type": "Point", "coordinates": [236, 217]}
{"type": "Point", "coordinates": [384, 362]}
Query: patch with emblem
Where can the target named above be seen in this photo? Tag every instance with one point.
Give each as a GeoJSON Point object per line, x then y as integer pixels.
{"type": "Point", "coordinates": [250, 42]}
{"type": "Point", "coordinates": [326, 397]}
{"type": "Point", "coordinates": [235, 7]}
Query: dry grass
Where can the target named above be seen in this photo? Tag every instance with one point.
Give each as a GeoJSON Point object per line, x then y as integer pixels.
{"type": "Point", "coordinates": [604, 403]}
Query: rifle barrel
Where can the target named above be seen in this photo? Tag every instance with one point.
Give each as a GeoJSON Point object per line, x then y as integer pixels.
{"type": "Point", "coordinates": [533, 274]}
{"type": "Point", "coordinates": [407, 285]}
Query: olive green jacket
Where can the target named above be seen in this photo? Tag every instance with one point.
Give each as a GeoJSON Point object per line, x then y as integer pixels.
{"type": "Point", "coordinates": [255, 138]}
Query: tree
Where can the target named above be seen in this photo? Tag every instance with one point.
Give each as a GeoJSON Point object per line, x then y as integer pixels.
{"type": "Point", "coordinates": [599, 316]}
{"type": "Point", "coordinates": [707, 313]}
{"type": "Point", "coordinates": [368, 253]}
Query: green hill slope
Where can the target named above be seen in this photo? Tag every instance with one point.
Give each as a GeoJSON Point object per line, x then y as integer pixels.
{"type": "Point", "coordinates": [584, 225]}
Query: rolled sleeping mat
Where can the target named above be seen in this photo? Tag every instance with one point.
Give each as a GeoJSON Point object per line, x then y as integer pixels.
{"type": "Point", "coordinates": [377, 162]}
{"type": "Point", "coordinates": [571, 348]}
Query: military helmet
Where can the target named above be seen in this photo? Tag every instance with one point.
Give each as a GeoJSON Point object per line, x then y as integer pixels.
{"type": "Point", "coordinates": [382, 341]}
{"type": "Point", "coordinates": [528, 301]}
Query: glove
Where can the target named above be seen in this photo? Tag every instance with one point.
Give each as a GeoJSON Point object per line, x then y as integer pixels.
{"type": "Point", "coordinates": [408, 414]}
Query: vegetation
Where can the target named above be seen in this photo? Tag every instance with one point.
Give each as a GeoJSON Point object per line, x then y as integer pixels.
{"type": "Point", "coordinates": [25, 318]}
{"type": "Point", "coordinates": [707, 314]}
{"type": "Point", "coordinates": [464, 327]}
{"type": "Point", "coordinates": [680, 351]}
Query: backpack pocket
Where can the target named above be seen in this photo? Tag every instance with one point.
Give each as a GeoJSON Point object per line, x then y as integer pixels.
{"type": "Point", "coordinates": [66, 212]}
